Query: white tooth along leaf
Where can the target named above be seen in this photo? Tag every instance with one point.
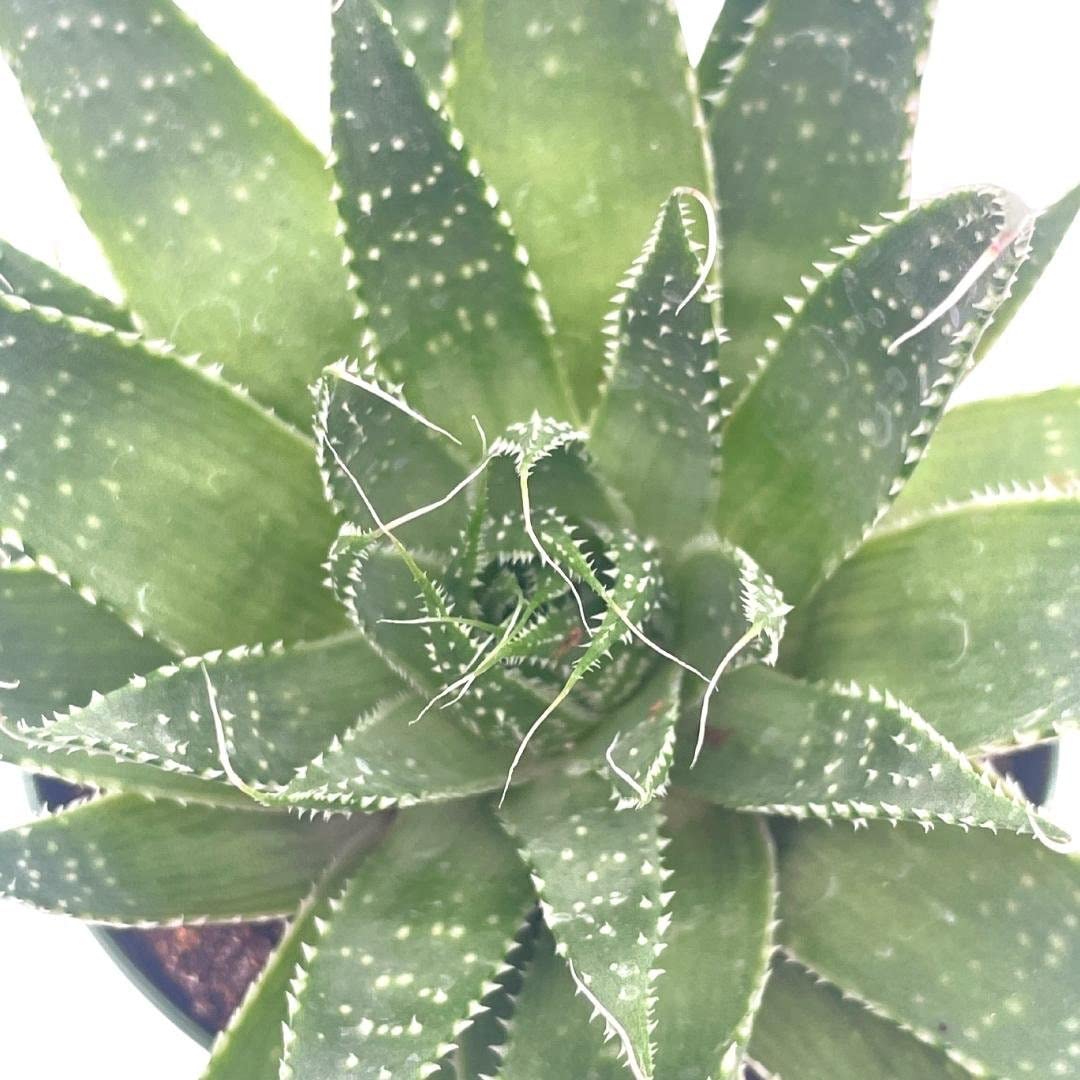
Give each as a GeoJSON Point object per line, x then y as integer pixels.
{"type": "Point", "coordinates": [425, 27]}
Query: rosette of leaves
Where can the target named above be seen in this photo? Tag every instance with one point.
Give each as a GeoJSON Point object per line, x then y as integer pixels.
{"type": "Point", "coordinates": [482, 679]}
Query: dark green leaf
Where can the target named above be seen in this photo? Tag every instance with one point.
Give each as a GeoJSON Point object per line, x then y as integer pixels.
{"type": "Point", "coordinates": [424, 26]}
{"type": "Point", "coordinates": [584, 119]}
{"type": "Point", "coordinates": [842, 412]}
{"type": "Point", "coordinates": [969, 614]}
{"type": "Point", "coordinates": [212, 209]}
{"type": "Point", "coordinates": [445, 287]}
{"type": "Point", "coordinates": [407, 949]}
{"type": "Point", "coordinates": [970, 941]}
{"type": "Point", "coordinates": [155, 486]}
{"type": "Point", "coordinates": [127, 860]}
{"type": "Point", "coordinates": [810, 135]}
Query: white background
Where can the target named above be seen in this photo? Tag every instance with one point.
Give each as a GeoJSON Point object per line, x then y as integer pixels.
{"type": "Point", "coordinates": [999, 104]}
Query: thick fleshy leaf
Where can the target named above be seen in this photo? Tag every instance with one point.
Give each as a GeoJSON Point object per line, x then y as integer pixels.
{"type": "Point", "coordinates": [58, 647]}
{"type": "Point", "coordinates": [780, 746]}
{"type": "Point", "coordinates": [278, 707]}
{"type": "Point", "coordinates": [719, 943]}
{"type": "Point", "coordinates": [250, 1048]}
{"type": "Point", "coordinates": [42, 285]}
{"type": "Point", "coordinates": [843, 410]}
{"type": "Point", "coordinates": [1051, 225]}
{"type": "Point", "coordinates": [212, 209]}
{"type": "Point", "coordinates": [584, 119]}
{"type": "Point", "coordinates": [970, 614]}
{"type": "Point", "coordinates": [653, 431]}
{"type": "Point", "coordinates": [408, 948]}
{"type": "Point", "coordinates": [117, 455]}
{"type": "Point", "coordinates": [810, 134]}
{"type": "Point", "coordinates": [996, 444]}
{"type": "Point", "coordinates": [424, 26]}
{"type": "Point", "coordinates": [551, 1025]}
{"type": "Point", "coordinates": [446, 292]}
{"type": "Point", "coordinates": [971, 941]}
{"type": "Point", "coordinates": [806, 1028]}
{"type": "Point", "coordinates": [128, 860]}
{"type": "Point", "coordinates": [600, 879]}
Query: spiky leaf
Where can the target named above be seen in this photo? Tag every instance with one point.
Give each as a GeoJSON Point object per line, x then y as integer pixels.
{"type": "Point", "coordinates": [425, 26]}
{"type": "Point", "coordinates": [117, 455]}
{"type": "Point", "coordinates": [408, 948]}
{"type": "Point", "coordinates": [836, 421]}
{"type": "Point", "coordinates": [584, 120]}
{"type": "Point", "coordinates": [970, 940]}
{"type": "Point", "coordinates": [970, 614]}
{"type": "Point", "coordinates": [213, 210]}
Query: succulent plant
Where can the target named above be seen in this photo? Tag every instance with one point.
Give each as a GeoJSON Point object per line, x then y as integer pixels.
{"type": "Point", "coordinates": [622, 674]}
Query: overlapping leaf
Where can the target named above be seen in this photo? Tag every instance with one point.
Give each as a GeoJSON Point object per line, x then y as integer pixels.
{"type": "Point", "coordinates": [424, 26]}
{"type": "Point", "coordinates": [213, 210]}
{"type": "Point", "coordinates": [584, 120]}
{"type": "Point", "coordinates": [842, 411]}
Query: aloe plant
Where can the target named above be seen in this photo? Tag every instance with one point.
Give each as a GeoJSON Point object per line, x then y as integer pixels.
{"type": "Point", "coordinates": [591, 684]}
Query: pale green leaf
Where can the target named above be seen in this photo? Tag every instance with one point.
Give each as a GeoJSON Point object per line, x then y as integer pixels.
{"type": "Point", "coordinates": [452, 309]}
{"type": "Point", "coordinates": [583, 117]}
{"type": "Point", "coordinates": [719, 942]}
{"type": "Point", "coordinates": [127, 860]}
{"type": "Point", "coordinates": [154, 486]}
{"type": "Point", "coordinates": [842, 412]}
{"type": "Point", "coordinates": [969, 940]}
{"type": "Point", "coordinates": [652, 436]}
{"type": "Point", "coordinates": [408, 948]}
{"type": "Point", "coordinates": [424, 26]}
{"type": "Point", "coordinates": [600, 879]}
{"type": "Point", "coordinates": [970, 614]}
{"type": "Point", "coordinates": [807, 1029]}
{"type": "Point", "coordinates": [212, 209]}
{"type": "Point", "coordinates": [810, 134]}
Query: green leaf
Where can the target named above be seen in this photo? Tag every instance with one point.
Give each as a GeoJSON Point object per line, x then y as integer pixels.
{"type": "Point", "coordinates": [600, 877]}
{"type": "Point", "coordinates": [40, 284]}
{"type": "Point", "coordinates": [810, 134]}
{"type": "Point", "coordinates": [1051, 225]}
{"type": "Point", "coordinates": [718, 947]}
{"type": "Point", "coordinates": [118, 455]}
{"type": "Point", "coordinates": [841, 413]}
{"type": "Point", "coordinates": [128, 860]}
{"type": "Point", "coordinates": [58, 647]}
{"type": "Point", "coordinates": [970, 614]}
{"type": "Point", "coordinates": [653, 430]}
{"type": "Point", "coordinates": [250, 1048]}
{"type": "Point", "coordinates": [408, 948]}
{"type": "Point", "coordinates": [806, 1028]}
{"type": "Point", "coordinates": [970, 941]}
{"type": "Point", "coordinates": [584, 119]}
{"type": "Point", "coordinates": [999, 443]}
{"type": "Point", "coordinates": [551, 1025]}
{"type": "Point", "coordinates": [425, 27]}
{"type": "Point", "coordinates": [783, 747]}
{"type": "Point", "coordinates": [212, 209]}
{"type": "Point", "coordinates": [445, 288]}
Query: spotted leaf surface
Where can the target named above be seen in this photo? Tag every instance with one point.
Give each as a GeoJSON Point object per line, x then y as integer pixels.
{"type": "Point", "coordinates": [126, 860]}
{"type": "Point", "coordinates": [970, 940]}
{"type": "Point", "coordinates": [719, 943]}
{"type": "Point", "coordinates": [425, 27]}
{"type": "Point", "coordinates": [117, 456]}
{"type": "Point", "coordinates": [652, 434]}
{"type": "Point", "coordinates": [276, 705]}
{"type": "Point", "coordinates": [40, 284]}
{"type": "Point", "coordinates": [836, 422]}
{"type": "Point", "coordinates": [600, 879]}
{"type": "Point", "coordinates": [584, 120]}
{"type": "Point", "coordinates": [807, 1028]}
{"type": "Point", "coordinates": [810, 133]}
{"type": "Point", "coordinates": [783, 747]}
{"type": "Point", "coordinates": [58, 647]}
{"type": "Point", "coordinates": [444, 283]}
{"type": "Point", "coordinates": [970, 614]}
{"type": "Point", "coordinates": [408, 948]}
{"type": "Point", "coordinates": [212, 209]}
{"type": "Point", "coordinates": [994, 445]}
